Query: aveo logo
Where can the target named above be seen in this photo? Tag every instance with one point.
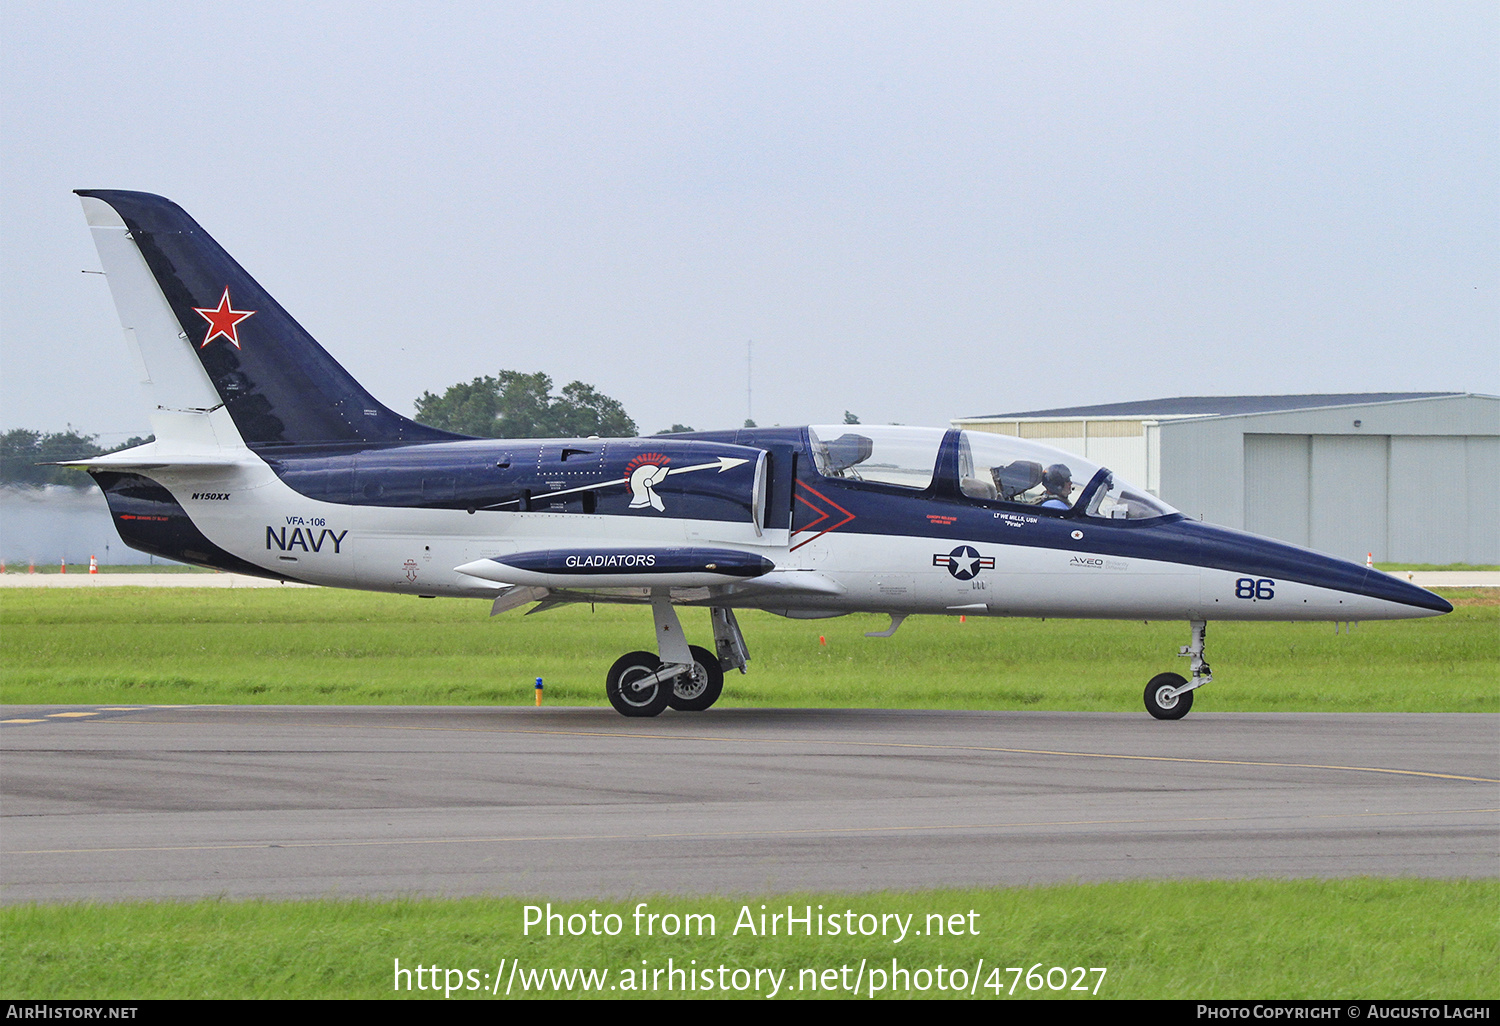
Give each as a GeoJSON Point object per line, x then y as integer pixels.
{"type": "Point", "coordinates": [1089, 561]}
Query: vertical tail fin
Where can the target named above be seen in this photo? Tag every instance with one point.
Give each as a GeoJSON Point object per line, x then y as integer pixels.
{"type": "Point", "coordinates": [209, 335]}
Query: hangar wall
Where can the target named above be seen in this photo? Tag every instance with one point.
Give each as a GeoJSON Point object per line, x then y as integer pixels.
{"type": "Point", "coordinates": [1409, 480]}
{"type": "Point", "coordinates": [1119, 444]}
{"type": "Point", "coordinates": [1414, 482]}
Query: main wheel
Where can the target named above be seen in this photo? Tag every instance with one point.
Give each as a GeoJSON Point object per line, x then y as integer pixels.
{"type": "Point", "coordinates": [701, 686]}
{"type": "Point", "coordinates": [1161, 703]}
{"type": "Point", "coordinates": [627, 695]}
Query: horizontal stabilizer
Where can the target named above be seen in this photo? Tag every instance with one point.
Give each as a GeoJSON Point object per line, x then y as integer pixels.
{"type": "Point", "coordinates": [137, 464]}
{"type": "Point", "coordinates": [198, 449]}
{"type": "Point", "coordinates": [156, 455]}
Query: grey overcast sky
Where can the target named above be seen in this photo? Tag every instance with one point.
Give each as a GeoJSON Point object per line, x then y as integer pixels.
{"type": "Point", "coordinates": [916, 211]}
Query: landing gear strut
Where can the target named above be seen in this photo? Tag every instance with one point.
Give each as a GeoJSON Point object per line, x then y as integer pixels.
{"type": "Point", "coordinates": [1169, 696]}
{"type": "Point", "coordinates": [686, 677]}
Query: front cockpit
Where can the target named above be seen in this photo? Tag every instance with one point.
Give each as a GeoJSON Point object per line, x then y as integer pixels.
{"type": "Point", "coordinates": [1008, 470]}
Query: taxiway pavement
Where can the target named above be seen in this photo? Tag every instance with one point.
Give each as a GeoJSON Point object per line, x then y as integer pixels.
{"type": "Point", "coordinates": [109, 803]}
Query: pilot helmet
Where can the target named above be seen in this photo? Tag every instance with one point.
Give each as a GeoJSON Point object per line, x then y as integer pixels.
{"type": "Point", "coordinates": [1058, 479]}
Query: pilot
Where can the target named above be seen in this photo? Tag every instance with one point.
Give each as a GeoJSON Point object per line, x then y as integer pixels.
{"type": "Point", "coordinates": [1058, 482]}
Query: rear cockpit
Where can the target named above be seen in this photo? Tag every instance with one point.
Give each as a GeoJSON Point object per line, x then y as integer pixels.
{"type": "Point", "coordinates": [905, 457]}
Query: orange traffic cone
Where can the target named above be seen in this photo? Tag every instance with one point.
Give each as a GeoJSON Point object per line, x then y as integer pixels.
{"type": "Point", "coordinates": [93, 565]}
{"type": "Point", "coordinates": [1370, 560]}
{"type": "Point", "coordinates": [62, 565]}
{"type": "Point", "coordinates": [31, 567]}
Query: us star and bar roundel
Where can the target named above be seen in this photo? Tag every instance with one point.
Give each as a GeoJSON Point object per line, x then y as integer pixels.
{"type": "Point", "coordinates": [964, 562]}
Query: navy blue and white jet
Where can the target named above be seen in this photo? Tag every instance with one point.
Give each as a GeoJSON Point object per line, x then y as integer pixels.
{"type": "Point", "coordinates": [270, 459]}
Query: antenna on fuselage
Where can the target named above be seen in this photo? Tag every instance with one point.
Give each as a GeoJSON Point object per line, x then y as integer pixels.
{"type": "Point", "coordinates": [749, 369]}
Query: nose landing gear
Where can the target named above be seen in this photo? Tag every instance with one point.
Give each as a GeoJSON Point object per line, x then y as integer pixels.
{"type": "Point", "coordinates": [1164, 698]}
{"type": "Point", "coordinates": [1169, 696]}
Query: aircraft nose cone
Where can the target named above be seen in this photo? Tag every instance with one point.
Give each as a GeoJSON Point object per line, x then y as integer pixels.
{"type": "Point", "coordinates": [1379, 584]}
{"type": "Point", "coordinates": [1228, 549]}
{"type": "Point", "coordinates": [1434, 601]}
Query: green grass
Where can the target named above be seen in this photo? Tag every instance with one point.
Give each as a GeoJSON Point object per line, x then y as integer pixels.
{"type": "Point", "coordinates": [1339, 939]}
{"type": "Point", "coordinates": [1188, 939]}
{"type": "Point", "coordinates": [305, 646]}
{"type": "Point", "coordinates": [1437, 566]}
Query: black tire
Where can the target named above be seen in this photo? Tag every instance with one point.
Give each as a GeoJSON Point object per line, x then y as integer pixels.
{"type": "Point", "coordinates": [632, 701]}
{"type": "Point", "coordinates": [701, 686]}
{"type": "Point", "coordinates": [1168, 708]}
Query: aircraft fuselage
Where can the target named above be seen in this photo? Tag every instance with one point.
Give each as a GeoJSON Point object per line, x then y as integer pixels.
{"type": "Point", "coordinates": [404, 518]}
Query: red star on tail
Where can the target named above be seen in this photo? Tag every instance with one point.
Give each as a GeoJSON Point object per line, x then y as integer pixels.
{"type": "Point", "coordinates": [221, 321]}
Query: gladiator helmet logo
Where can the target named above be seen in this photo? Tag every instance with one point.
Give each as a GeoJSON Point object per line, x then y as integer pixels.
{"type": "Point", "coordinates": [644, 473]}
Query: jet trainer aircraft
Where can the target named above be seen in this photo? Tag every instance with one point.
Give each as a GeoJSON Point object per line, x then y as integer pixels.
{"type": "Point", "coordinates": [270, 459]}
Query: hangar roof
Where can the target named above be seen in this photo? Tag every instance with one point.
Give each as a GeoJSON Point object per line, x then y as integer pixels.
{"type": "Point", "coordinates": [1221, 405]}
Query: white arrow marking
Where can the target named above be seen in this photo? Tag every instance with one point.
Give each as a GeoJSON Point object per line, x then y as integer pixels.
{"type": "Point", "coordinates": [723, 463]}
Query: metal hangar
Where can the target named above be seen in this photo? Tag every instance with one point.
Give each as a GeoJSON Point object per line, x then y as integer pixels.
{"type": "Point", "coordinates": [1410, 477]}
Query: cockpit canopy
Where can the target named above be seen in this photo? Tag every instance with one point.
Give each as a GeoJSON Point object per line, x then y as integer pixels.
{"type": "Point", "coordinates": [902, 456]}
{"type": "Point", "coordinates": [999, 469]}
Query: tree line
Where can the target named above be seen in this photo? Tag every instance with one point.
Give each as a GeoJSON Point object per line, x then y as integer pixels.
{"type": "Point", "coordinates": [507, 405]}
{"type": "Point", "coordinates": [516, 405]}
{"type": "Point", "coordinates": [21, 450]}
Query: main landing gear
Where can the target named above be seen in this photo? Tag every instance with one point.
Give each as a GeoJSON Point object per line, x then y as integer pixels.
{"type": "Point", "coordinates": [1169, 696]}
{"type": "Point", "coordinates": [685, 677]}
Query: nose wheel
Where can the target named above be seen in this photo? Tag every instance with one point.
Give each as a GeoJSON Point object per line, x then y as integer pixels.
{"type": "Point", "coordinates": [1169, 696]}
{"type": "Point", "coordinates": [1165, 700]}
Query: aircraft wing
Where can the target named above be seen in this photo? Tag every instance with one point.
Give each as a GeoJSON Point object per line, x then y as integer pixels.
{"type": "Point", "coordinates": [787, 584]}
{"type": "Point", "coordinates": [554, 577]}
